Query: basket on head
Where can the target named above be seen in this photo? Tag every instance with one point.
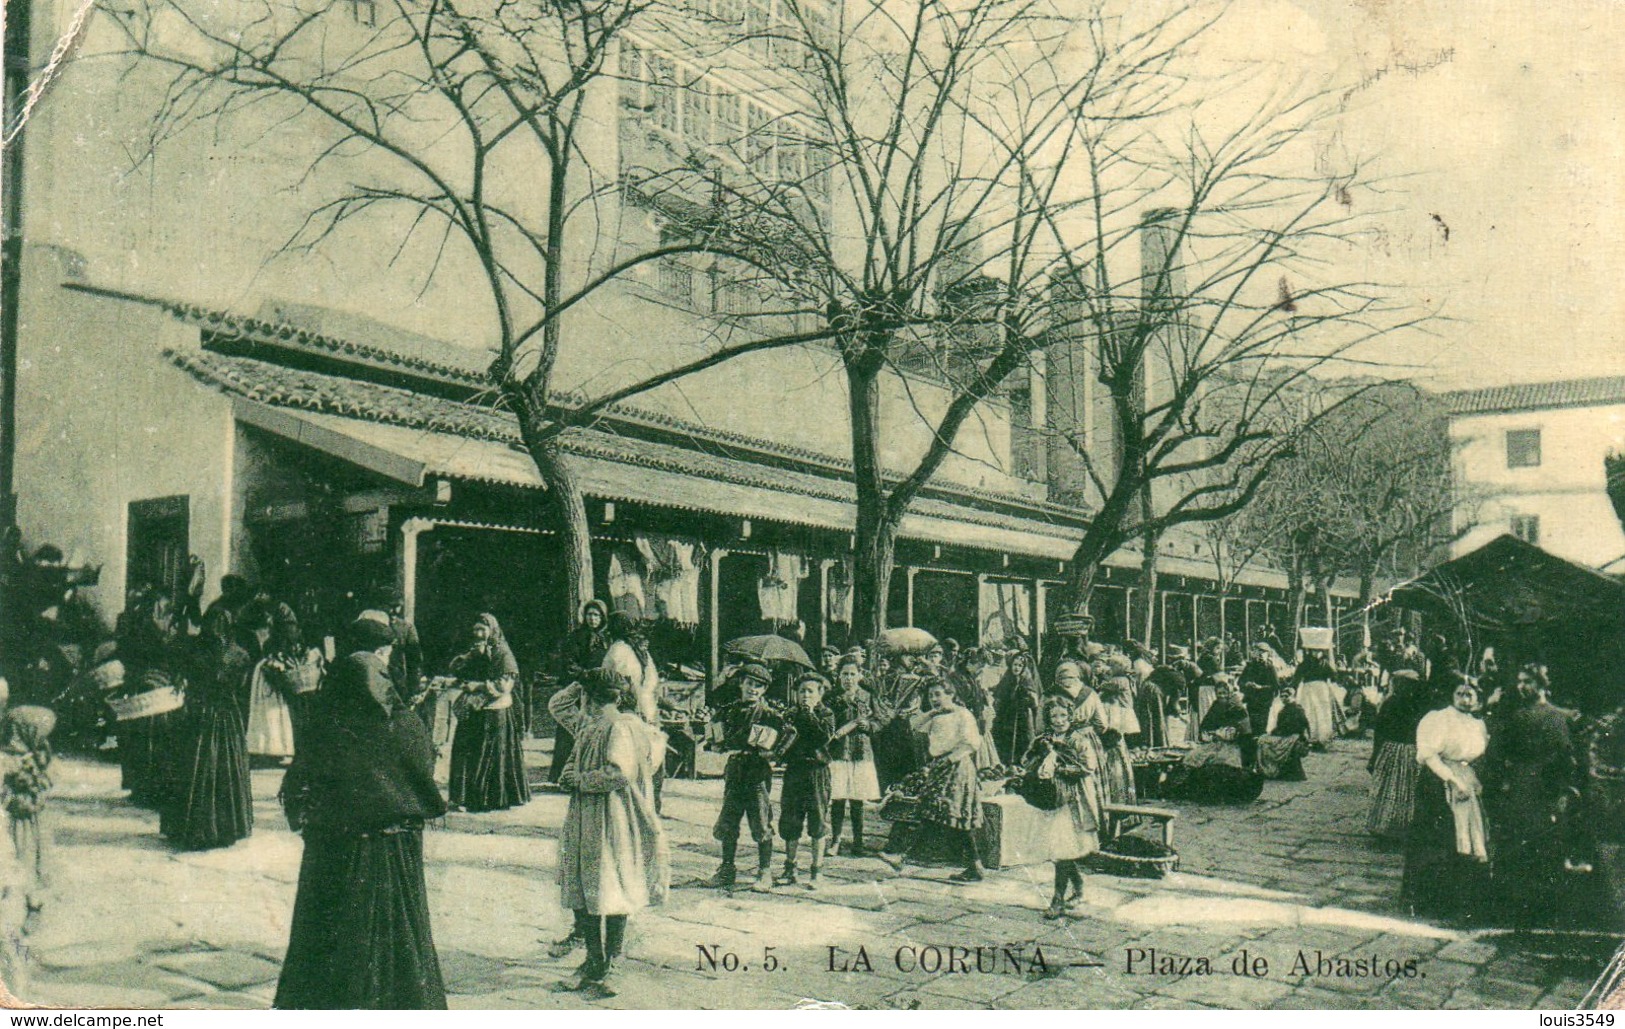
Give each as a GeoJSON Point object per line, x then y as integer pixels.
{"type": "Point", "coordinates": [1310, 638]}
{"type": "Point", "coordinates": [160, 701]}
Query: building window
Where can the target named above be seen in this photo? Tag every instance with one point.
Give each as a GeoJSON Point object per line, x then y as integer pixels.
{"type": "Point", "coordinates": [363, 12]}
{"type": "Point", "coordinates": [1527, 528]}
{"type": "Point", "coordinates": [677, 279]}
{"type": "Point", "coordinates": [663, 93]}
{"type": "Point", "coordinates": [1523, 448]}
{"type": "Point", "coordinates": [632, 75]}
{"type": "Point", "coordinates": [697, 116]}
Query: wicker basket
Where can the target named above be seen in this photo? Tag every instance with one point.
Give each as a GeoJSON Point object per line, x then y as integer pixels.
{"type": "Point", "coordinates": [160, 701]}
{"type": "Point", "coordinates": [1134, 857]}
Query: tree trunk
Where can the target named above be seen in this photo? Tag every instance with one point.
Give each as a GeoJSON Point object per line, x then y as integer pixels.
{"type": "Point", "coordinates": [1148, 581]}
{"type": "Point", "coordinates": [1300, 594]}
{"type": "Point", "coordinates": [872, 567]}
{"type": "Point", "coordinates": [875, 544]}
{"type": "Point", "coordinates": [566, 514]}
{"type": "Point", "coordinates": [1368, 585]}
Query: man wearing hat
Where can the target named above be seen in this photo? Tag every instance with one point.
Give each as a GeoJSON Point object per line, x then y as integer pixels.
{"type": "Point", "coordinates": [747, 730]}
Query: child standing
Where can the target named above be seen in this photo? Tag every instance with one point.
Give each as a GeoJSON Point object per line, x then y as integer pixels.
{"type": "Point", "coordinates": [852, 778]}
{"type": "Point", "coordinates": [747, 730]}
{"type": "Point", "coordinates": [614, 859]}
{"type": "Point", "coordinates": [25, 756]}
{"type": "Point", "coordinates": [806, 795]}
{"type": "Point", "coordinates": [1064, 757]}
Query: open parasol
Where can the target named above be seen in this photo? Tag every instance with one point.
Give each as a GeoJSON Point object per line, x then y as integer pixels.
{"type": "Point", "coordinates": [769, 648]}
{"type": "Point", "coordinates": [907, 641]}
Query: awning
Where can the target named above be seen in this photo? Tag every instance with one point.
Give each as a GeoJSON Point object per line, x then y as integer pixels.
{"type": "Point", "coordinates": [1508, 584]}
{"type": "Point", "coordinates": [638, 471]}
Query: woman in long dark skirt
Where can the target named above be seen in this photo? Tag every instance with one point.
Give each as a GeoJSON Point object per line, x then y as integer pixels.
{"type": "Point", "coordinates": [359, 791]}
{"type": "Point", "coordinates": [213, 804]}
{"type": "Point", "coordinates": [147, 644]}
{"type": "Point", "coordinates": [1446, 851]}
{"type": "Point", "coordinates": [487, 758]}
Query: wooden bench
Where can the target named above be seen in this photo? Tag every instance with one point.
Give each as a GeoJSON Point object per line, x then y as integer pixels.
{"type": "Point", "coordinates": [1162, 818]}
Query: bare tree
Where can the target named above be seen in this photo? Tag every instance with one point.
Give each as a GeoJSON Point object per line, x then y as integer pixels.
{"type": "Point", "coordinates": [924, 157]}
{"type": "Point", "coordinates": [1366, 492]}
{"type": "Point", "coordinates": [466, 128]}
{"type": "Point", "coordinates": [1210, 317]}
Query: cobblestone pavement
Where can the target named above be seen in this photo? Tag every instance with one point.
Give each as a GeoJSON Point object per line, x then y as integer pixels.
{"type": "Point", "coordinates": [133, 924]}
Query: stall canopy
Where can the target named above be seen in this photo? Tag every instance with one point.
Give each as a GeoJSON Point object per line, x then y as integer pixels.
{"type": "Point", "coordinates": [1508, 584]}
{"type": "Point", "coordinates": [1531, 606]}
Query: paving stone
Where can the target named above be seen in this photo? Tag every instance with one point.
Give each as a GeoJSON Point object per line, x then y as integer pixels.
{"type": "Point", "coordinates": [1468, 952]}
{"type": "Point", "coordinates": [1507, 993]}
{"type": "Point", "coordinates": [1082, 988]}
{"type": "Point", "coordinates": [60, 994]}
{"type": "Point", "coordinates": [224, 1000]}
{"type": "Point", "coordinates": [471, 973]}
{"type": "Point", "coordinates": [229, 970]}
{"type": "Point", "coordinates": [138, 975]}
{"type": "Point", "coordinates": [1224, 990]}
{"type": "Point", "coordinates": [1306, 998]}
{"type": "Point", "coordinates": [82, 955]}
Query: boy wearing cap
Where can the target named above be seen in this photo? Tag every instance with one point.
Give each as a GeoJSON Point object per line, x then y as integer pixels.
{"type": "Point", "coordinates": [746, 730]}
{"type": "Point", "coordinates": [805, 799]}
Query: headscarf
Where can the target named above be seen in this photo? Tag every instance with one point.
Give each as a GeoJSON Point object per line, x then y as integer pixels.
{"type": "Point", "coordinates": [28, 730]}
{"type": "Point", "coordinates": [594, 605]}
{"type": "Point", "coordinates": [497, 656]}
{"type": "Point", "coordinates": [368, 762]}
{"type": "Point", "coordinates": [285, 638]}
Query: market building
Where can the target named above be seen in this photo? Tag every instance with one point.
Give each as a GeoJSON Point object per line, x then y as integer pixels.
{"type": "Point", "coordinates": [321, 450]}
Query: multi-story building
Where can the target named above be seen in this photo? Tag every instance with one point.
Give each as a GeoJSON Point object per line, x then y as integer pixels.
{"type": "Point", "coordinates": [344, 434]}
{"type": "Point", "coordinates": [1530, 461]}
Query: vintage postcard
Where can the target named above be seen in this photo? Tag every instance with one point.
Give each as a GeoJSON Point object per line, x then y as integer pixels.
{"type": "Point", "coordinates": [869, 504]}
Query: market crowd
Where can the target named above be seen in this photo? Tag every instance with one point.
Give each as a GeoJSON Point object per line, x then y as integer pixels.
{"type": "Point", "coordinates": [1483, 778]}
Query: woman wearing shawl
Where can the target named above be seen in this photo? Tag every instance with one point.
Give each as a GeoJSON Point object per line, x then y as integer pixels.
{"type": "Point", "coordinates": [1393, 765]}
{"type": "Point", "coordinates": [270, 725]}
{"type": "Point", "coordinates": [1282, 749]}
{"type": "Point", "coordinates": [853, 781]}
{"type": "Point", "coordinates": [948, 789]}
{"type": "Point", "coordinates": [359, 792]}
{"type": "Point", "coordinates": [613, 856]}
{"type": "Point", "coordinates": [1114, 782]}
{"type": "Point", "coordinates": [1015, 709]}
{"type": "Point", "coordinates": [149, 639]}
{"type": "Point", "coordinates": [487, 760]}
{"type": "Point", "coordinates": [291, 671]}
{"type": "Point", "coordinates": [582, 651]}
{"type": "Point", "coordinates": [1446, 854]}
{"type": "Point", "coordinates": [213, 804]}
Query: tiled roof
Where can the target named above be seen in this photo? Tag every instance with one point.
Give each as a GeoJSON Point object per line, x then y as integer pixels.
{"type": "Point", "coordinates": [464, 366]}
{"type": "Point", "coordinates": [1525, 396]}
{"type": "Point", "coordinates": [279, 386]}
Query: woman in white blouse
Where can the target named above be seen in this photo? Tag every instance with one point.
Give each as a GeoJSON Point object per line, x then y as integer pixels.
{"type": "Point", "coordinates": [1446, 852]}
{"type": "Point", "coordinates": [951, 800]}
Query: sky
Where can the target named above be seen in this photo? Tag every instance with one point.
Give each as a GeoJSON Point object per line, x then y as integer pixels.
{"type": "Point", "coordinates": [1498, 125]}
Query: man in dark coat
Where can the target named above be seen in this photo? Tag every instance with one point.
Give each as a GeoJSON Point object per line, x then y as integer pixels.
{"type": "Point", "coordinates": [1530, 770]}
{"type": "Point", "coordinates": [1259, 682]}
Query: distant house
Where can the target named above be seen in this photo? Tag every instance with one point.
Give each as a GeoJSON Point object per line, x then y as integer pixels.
{"type": "Point", "coordinates": [1530, 462]}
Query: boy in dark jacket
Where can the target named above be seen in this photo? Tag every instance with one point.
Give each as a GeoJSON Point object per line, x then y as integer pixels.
{"type": "Point", "coordinates": [805, 753]}
{"type": "Point", "coordinates": [747, 730]}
